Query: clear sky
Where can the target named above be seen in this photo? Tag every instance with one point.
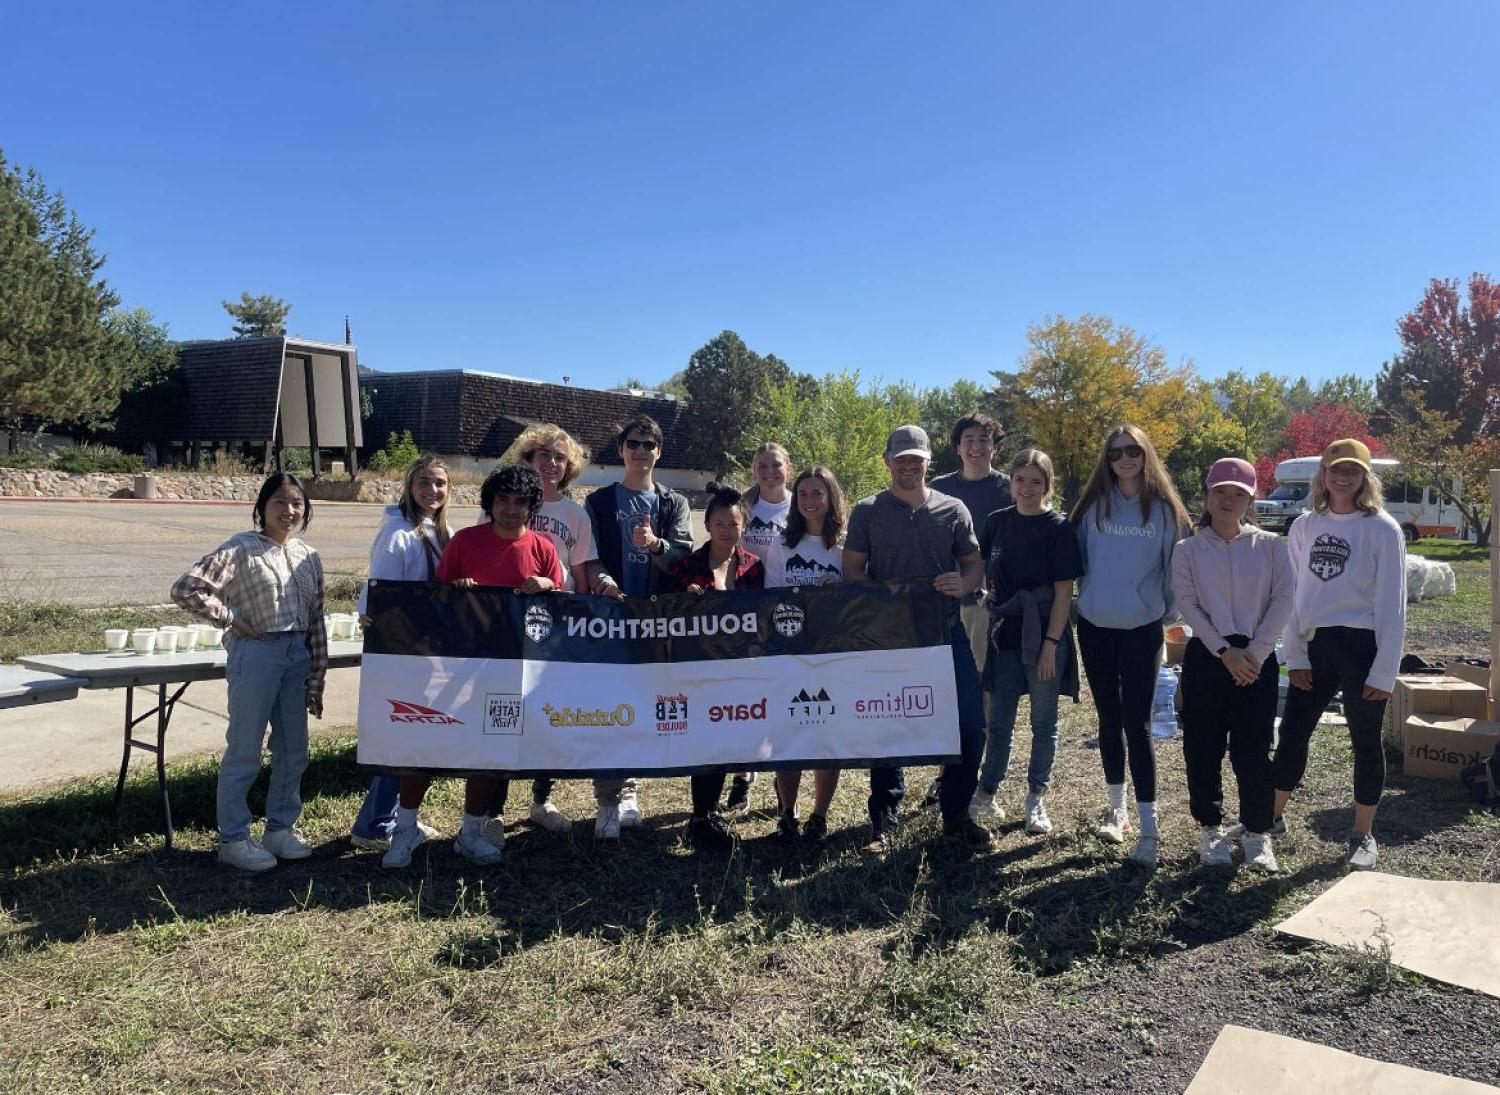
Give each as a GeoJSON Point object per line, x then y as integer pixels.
{"type": "Point", "coordinates": [596, 189]}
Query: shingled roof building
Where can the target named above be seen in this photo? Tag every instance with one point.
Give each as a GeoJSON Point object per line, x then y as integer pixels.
{"type": "Point", "coordinates": [271, 393]}
{"type": "Point", "coordinates": [471, 418]}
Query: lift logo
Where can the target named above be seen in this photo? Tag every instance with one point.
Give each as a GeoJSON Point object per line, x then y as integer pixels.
{"type": "Point", "coordinates": [406, 711]}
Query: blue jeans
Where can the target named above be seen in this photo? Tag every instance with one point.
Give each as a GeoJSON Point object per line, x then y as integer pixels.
{"type": "Point", "coordinates": [888, 785]}
{"type": "Point", "coordinates": [267, 684]}
{"type": "Point", "coordinates": [377, 814]}
{"type": "Point", "coordinates": [1011, 677]}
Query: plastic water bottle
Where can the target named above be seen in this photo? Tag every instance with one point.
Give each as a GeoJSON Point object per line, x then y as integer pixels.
{"type": "Point", "coordinates": [1163, 713]}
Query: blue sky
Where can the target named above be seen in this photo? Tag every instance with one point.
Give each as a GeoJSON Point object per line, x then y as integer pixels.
{"type": "Point", "coordinates": [595, 190]}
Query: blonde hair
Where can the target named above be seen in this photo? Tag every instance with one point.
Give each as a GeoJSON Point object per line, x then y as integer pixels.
{"type": "Point", "coordinates": [427, 462]}
{"type": "Point", "coordinates": [545, 433]}
{"type": "Point", "coordinates": [1156, 484]}
{"type": "Point", "coordinates": [1370, 497]}
{"type": "Point", "coordinates": [1034, 458]}
{"type": "Point", "coordinates": [752, 495]}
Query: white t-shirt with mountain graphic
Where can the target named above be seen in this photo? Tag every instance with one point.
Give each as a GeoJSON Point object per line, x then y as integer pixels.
{"type": "Point", "coordinates": [807, 564]}
{"type": "Point", "coordinates": [767, 526]}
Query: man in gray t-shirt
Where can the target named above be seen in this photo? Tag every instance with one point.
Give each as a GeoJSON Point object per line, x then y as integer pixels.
{"type": "Point", "coordinates": [909, 531]}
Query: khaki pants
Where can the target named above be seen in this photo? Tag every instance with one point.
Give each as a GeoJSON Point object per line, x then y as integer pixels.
{"type": "Point", "coordinates": [976, 621]}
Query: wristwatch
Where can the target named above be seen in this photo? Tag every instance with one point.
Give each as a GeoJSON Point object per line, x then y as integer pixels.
{"type": "Point", "coordinates": [1219, 653]}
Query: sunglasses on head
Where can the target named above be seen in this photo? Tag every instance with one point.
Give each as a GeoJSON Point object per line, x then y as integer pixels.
{"type": "Point", "coordinates": [632, 444]}
{"type": "Point", "coordinates": [1114, 453]}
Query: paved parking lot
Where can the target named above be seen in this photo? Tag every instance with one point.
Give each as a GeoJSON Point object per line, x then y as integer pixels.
{"type": "Point", "coordinates": [102, 553]}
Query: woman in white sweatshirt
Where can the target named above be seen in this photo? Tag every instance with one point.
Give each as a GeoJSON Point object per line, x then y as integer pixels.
{"type": "Point", "coordinates": [1348, 618]}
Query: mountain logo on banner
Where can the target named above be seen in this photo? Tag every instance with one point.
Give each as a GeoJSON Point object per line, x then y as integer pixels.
{"type": "Point", "coordinates": [788, 620]}
{"type": "Point", "coordinates": [810, 708]}
{"type": "Point", "coordinates": [406, 711]}
{"type": "Point", "coordinates": [538, 623]}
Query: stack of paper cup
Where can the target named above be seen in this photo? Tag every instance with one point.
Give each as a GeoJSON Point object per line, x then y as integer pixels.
{"type": "Point", "coordinates": [166, 639]}
{"type": "Point", "coordinates": [116, 639]}
{"type": "Point", "coordinates": [187, 642]}
{"type": "Point", "coordinates": [144, 640]}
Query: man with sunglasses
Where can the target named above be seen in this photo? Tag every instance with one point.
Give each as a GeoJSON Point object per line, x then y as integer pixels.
{"type": "Point", "coordinates": [641, 529]}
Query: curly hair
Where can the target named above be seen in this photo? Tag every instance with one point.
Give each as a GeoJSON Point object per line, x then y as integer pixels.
{"type": "Point", "coordinates": [520, 479]}
{"type": "Point", "coordinates": [545, 433]}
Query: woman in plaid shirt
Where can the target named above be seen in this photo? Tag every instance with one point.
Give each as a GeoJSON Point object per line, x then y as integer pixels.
{"type": "Point", "coordinates": [266, 586]}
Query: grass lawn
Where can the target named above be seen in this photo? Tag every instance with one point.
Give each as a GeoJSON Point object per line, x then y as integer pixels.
{"type": "Point", "coordinates": [1459, 624]}
{"type": "Point", "coordinates": [1050, 965]}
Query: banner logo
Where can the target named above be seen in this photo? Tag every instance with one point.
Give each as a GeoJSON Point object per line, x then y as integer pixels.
{"type": "Point", "coordinates": [739, 712]}
{"type": "Point", "coordinates": [538, 623]}
{"type": "Point", "coordinates": [503, 713]}
{"type": "Point", "coordinates": [914, 701]}
{"type": "Point", "coordinates": [406, 711]}
{"type": "Point", "coordinates": [788, 619]}
{"type": "Point", "coordinates": [809, 708]}
{"type": "Point", "coordinates": [672, 714]}
{"type": "Point", "coordinates": [623, 715]}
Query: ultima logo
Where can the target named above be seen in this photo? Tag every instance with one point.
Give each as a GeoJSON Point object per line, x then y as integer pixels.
{"type": "Point", "coordinates": [406, 711]}
{"type": "Point", "coordinates": [912, 702]}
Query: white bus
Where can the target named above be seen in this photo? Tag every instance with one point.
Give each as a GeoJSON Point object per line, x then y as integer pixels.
{"type": "Point", "coordinates": [1418, 510]}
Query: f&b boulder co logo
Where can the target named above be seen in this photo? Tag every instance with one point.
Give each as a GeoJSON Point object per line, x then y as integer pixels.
{"type": "Point", "coordinates": [406, 711]}
{"type": "Point", "coordinates": [504, 713]}
{"type": "Point", "coordinates": [1328, 557]}
{"type": "Point", "coordinates": [812, 707]}
{"type": "Point", "coordinates": [538, 623]}
{"type": "Point", "coordinates": [788, 620]}
{"type": "Point", "coordinates": [672, 714]}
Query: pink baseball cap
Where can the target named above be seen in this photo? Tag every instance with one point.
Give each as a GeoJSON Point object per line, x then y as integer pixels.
{"type": "Point", "coordinates": [1234, 472]}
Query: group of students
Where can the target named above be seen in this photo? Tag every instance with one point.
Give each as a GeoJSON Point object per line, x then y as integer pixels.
{"type": "Point", "coordinates": [1332, 592]}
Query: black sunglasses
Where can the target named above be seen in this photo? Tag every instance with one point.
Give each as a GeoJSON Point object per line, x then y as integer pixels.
{"type": "Point", "coordinates": [632, 443]}
{"type": "Point", "coordinates": [1135, 452]}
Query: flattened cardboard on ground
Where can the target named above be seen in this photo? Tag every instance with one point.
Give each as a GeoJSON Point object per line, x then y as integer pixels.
{"type": "Point", "coordinates": [1253, 1062]}
{"type": "Point", "coordinates": [1442, 930]}
{"type": "Point", "coordinates": [1441, 748]}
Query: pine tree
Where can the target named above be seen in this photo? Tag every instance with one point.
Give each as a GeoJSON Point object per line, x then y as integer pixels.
{"type": "Point", "coordinates": [258, 317]}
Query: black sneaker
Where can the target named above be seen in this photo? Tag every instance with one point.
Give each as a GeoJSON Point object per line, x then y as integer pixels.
{"type": "Point", "coordinates": [786, 825]}
{"type": "Point", "coordinates": [710, 834]}
{"type": "Point", "coordinates": [969, 832]}
{"type": "Point", "coordinates": [815, 829]}
{"type": "Point", "coordinates": [932, 799]}
{"type": "Point", "coordinates": [738, 801]}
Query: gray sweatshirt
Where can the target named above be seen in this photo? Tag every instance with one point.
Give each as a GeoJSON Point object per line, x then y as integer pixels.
{"type": "Point", "coordinates": [1127, 564]}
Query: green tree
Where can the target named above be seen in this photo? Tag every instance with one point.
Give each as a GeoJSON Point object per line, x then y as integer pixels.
{"type": "Point", "coordinates": [939, 408]}
{"type": "Point", "coordinates": [58, 361]}
{"type": "Point", "coordinates": [729, 385]}
{"type": "Point", "coordinates": [1350, 390]}
{"type": "Point", "coordinates": [152, 390]}
{"type": "Point", "coordinates": [1256, 405]}
{"type": "Point", "coordinates": [257, 317]}
{"type": "Point", "coordinates": [1426, 441]}
{"type": "Point", "coordinates": [843, 424]}
{"type": "Point", "coordinates": [1208, 434]}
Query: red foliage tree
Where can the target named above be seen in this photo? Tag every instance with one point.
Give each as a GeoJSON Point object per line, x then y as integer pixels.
{"type": "Point", "coordinates": [1309, 432]}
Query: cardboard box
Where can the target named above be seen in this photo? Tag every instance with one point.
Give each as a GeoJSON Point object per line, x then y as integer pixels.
{"type": "Point", "coordinates": [1416, 694]}
{"type": "Point", "coordinates": [1440, 748]}
{"type": "Point", "coordinates": [1475, 674]}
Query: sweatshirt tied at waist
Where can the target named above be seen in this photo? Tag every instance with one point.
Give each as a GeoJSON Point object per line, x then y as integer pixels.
{"type": "Point", "coordinates": [1034, 607]}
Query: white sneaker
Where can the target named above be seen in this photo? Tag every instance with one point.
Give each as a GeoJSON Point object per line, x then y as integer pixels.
{"type": "Point", "coordinates": [1259, 854]}
{"type": "Point", "coordinates": [404, 841]}
{"type": "Point", "coordinates": [630, 810]}
{"type": "Point", "coordinates": [383, 843]}
{"type": "Point", "coordinates": [475, 846]}
{"type": "Point", "coordinates": [1235, 833]}
{"type": "Point", "coordinates": [286, 844]}
{"type": "Point", "coordinates": [983, 807]}
{"type": "Point", "coordinates": [247, 855]}
{"type": "Point", "coordinates": [1037, 821]}
{"type": "Point", "coordinates": [607, 824]}
{"type": "Point", "coordinates": [549, 817]}
{"type": "Point", "coordinates": [1115, 827]}
{"type": "Point", "coordinates": [1144, 851]}
{"type": "Point", "coordinates": [1213, 847]}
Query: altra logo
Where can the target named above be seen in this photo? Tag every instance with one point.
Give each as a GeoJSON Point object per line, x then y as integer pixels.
{"type": "Point", "coordinates": [406, 711]}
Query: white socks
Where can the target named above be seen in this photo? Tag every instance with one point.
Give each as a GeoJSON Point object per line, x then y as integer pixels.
{"type": "Point", "coordinates": [1116, 793]}
{"type": "Point", "coordinates": [406, 819]}
{"type": "Point", "coordinates": [1147, 812]}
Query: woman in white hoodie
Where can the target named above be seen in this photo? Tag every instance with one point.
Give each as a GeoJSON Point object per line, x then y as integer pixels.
{"type": "Point", "coordinates": [1348, 619]}
{"type": "Point", "coordinates": [406, 549]}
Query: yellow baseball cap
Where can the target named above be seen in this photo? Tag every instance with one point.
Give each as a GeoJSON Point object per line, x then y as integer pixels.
{"type": "Point", "coordinates": [1347, 451]}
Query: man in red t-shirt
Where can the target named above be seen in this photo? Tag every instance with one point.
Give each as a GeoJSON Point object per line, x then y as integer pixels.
{"type": "Point", "coordinates": [502, 553]}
